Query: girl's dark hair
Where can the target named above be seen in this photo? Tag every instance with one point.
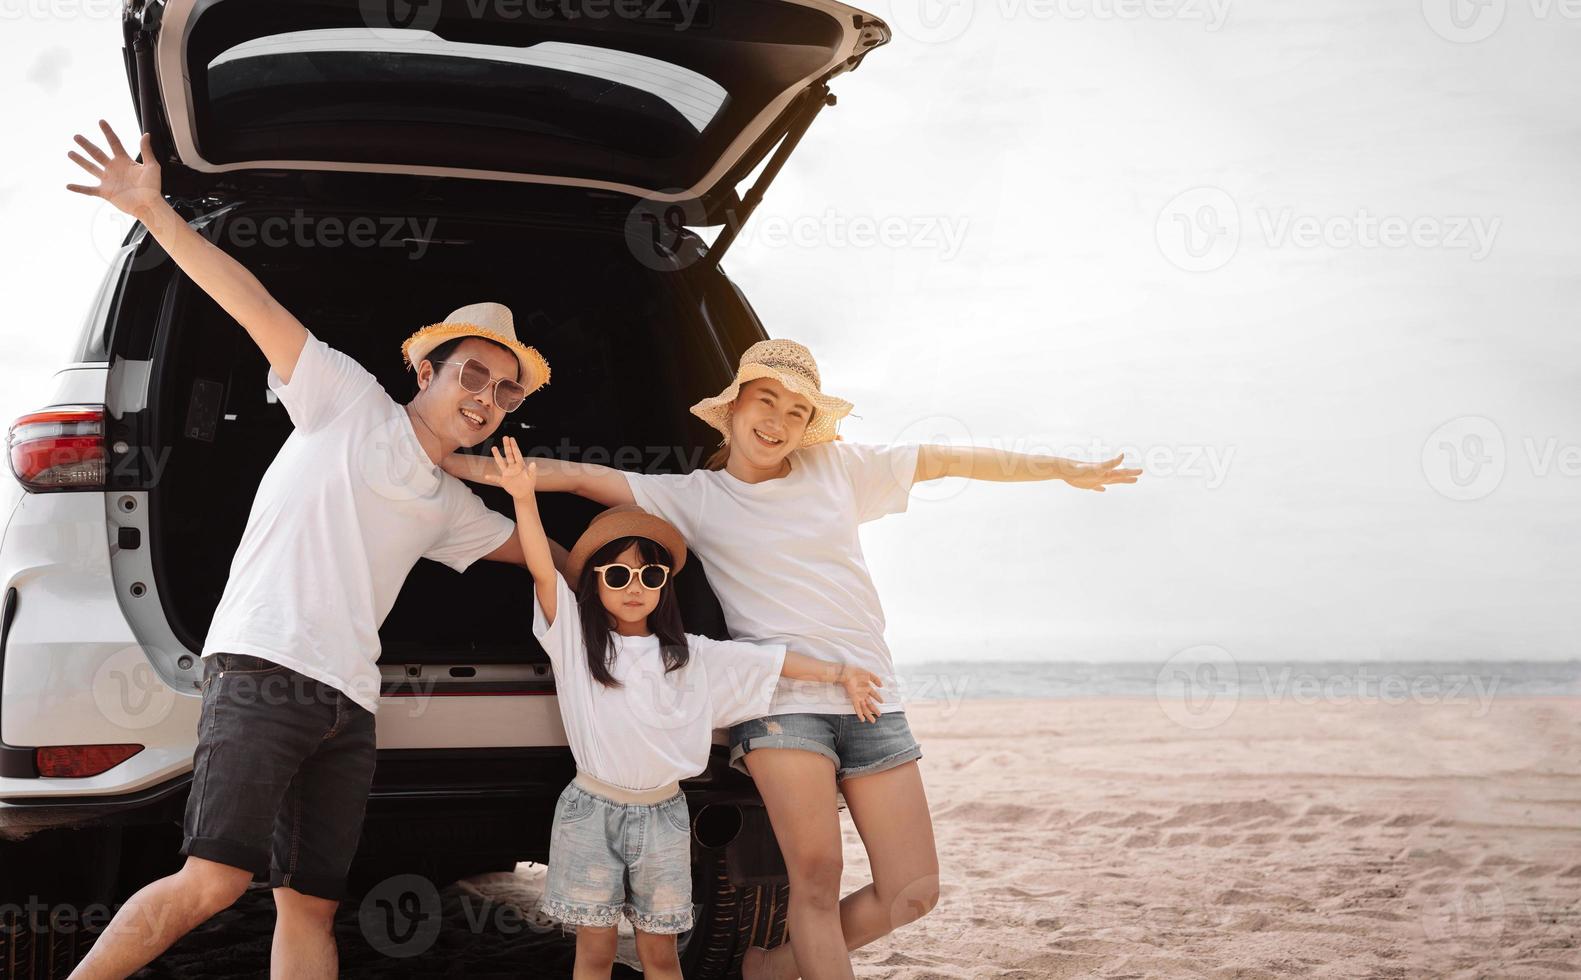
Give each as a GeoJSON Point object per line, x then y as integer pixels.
{"type": "Point", "coordinates": [664, 621]}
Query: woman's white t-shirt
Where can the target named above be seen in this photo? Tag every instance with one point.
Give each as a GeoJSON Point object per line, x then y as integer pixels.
{"type": "Point", "coordinates": [784, 558]}
{"type": "Point", "coordinates": [349, 504]}
{"type": "Point", "coordinates": [657, 727]}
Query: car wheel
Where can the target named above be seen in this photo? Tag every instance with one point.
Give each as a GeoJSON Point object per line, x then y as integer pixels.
{"type": "Point", "coordinates": [55, 893]}
{"type": "Point", "coordinates": [729, 918]}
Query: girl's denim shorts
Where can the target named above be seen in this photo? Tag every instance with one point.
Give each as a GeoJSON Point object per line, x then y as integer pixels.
{"type": "Point", "coordinates": [606, 858]}
{"type": "Point", "coordinates": [856, 747]}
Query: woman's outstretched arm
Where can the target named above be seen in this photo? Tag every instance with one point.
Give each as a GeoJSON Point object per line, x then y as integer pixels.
{"type": "Point", "coordinates": [597, 483]}
{"type": "Point", "coordinates": [979, 463]}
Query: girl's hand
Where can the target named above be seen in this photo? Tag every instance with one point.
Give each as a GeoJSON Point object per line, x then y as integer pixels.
{"type": "Point", "coordinates": [518, 477]}
{"type": "Point", "coordinates": [130, 186]}
{"type": "Point", "coordinates": [861, 686]}
{"type": "Point", "coordinates": [1096, 476]}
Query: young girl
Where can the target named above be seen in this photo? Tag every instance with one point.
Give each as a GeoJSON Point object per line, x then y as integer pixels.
{"type": "Point", "coordinates": [639, 699]}
{"type": "Point", "coordinates": [774, 517]}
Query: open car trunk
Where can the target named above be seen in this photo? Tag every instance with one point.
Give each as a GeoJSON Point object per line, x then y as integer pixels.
{"type": "Point", "coordinates": [665, 100]}
{"type": "Point", "coordinates": [629, 348]}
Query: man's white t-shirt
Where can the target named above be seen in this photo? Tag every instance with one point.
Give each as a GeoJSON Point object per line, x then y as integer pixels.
{"type": "Point", "coordinates": [784, 559]}
{"type": "Point", "coordinates": [657, 727]}
{"type": "Point", "coordinates": [342, 514]}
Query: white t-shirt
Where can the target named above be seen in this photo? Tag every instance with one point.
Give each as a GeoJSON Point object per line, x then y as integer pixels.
{"type": "Point", "coordinates": [657, 727]}
{"type": "Point", "coordinates": [342, 514]}
{"type": "Point", "coordinates": [784, 558]}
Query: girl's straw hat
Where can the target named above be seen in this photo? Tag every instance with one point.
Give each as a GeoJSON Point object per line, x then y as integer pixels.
{"type": "Point", "coordinates": [791, 365]}
{"type": "Point", "coordinates": [624, 521]}
{"type": "Point", "coordinates": [491, 321]}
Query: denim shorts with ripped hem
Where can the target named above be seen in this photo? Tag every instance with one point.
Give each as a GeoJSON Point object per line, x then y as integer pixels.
{"type": "Point", "coordinates": [856, 747]}
{"type": "Point", "coordinates": [598, 845]}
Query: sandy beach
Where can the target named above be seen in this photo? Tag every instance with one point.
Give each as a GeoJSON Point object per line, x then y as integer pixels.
{"type": "Point", "coordinates": [1121, 838]}
{"type": "Point", "coordinates": [1104, 838]}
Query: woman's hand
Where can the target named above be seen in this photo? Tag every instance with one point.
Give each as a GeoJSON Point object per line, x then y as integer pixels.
{"type": "Point", "coordinates": [861, 686]}
{"type": "Point", "coordinates": [1097, 476]}
{"type": "Point", "coordinates": [130, 186]}
{"type": "Point", "coordinates": [519, 478]}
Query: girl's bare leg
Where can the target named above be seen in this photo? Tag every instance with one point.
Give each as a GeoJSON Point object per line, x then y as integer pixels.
{"type": "Point", "coordinates": [890, 810]}
{"type": "Point", "coordinates": [798, 790]}
{"type": "Point", "coordinates": [657, 955]}
{"type": "Point", "coordinates": [595, 953]}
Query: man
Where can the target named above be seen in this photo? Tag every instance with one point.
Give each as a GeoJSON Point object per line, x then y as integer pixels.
{"type": "Point", "coordinates": [354, 498]}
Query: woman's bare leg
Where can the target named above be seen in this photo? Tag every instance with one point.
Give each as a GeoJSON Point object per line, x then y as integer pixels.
{"type": "Point", "coordinates": [798, 790]}
{"type": "Point", "coordinates": [890, 810]}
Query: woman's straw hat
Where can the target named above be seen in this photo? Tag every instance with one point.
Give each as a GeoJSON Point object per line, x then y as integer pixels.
{"type": "Point", "coordinates": [791, 365]}
{"type": "Point", "coordinates": [624, 521]}
{"type": "Point", "coordinates": [491, 321]}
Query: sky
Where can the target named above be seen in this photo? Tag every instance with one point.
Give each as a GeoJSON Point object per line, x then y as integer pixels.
{"type": "Point", "coordinates": [1313, 266]}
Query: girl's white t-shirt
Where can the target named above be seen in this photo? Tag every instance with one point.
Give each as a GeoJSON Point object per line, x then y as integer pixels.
{"type": "Point", "coordinates": [349, 504]}
{"type": "Point", "coordinates": [657, 727]}
{"type": "Point", "coordinates": [784, 558]}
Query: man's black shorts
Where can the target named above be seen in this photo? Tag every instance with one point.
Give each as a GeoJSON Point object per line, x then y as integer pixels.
{"type": "Point", "coordinates": [281, 775]}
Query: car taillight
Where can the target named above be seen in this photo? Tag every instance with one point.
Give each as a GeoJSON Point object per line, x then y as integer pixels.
{"type": "Point", "coordinates": [60, 448]}
{"type": "Point", "coordinates": [81, 760]}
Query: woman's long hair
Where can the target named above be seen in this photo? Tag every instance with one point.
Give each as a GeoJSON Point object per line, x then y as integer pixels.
{"type": "Point", "coordinates": [664, 621]}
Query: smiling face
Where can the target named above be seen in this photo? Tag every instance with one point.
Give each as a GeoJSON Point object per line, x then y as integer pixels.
{"type": "Point", "coordinates": [455, 413]}
{"type": "Point", "coordinates": [767, 421]}
{"type": "Point", "coordinates": [633, 603]}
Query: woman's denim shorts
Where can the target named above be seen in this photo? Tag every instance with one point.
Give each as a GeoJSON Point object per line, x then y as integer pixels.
{"type": "Point", "coordinates": [856, 747]}
{"type": "Point", "coordinates": [607, 857]}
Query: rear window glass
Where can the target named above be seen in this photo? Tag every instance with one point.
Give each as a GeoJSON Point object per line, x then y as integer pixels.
{"type": "Point", "coordinates": [289, 60]}
{"type": "Point", "coordinates": [553, 108]}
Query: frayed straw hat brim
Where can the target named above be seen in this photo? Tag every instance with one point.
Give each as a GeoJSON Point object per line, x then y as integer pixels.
{"type": "Point", "coordinates": [534, 369]}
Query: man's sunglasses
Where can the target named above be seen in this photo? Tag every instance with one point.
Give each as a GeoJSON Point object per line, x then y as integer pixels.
{"type": "Point", "coordinates": [618, 576]}
{"type": "Point", "coordinates": [475, 377]}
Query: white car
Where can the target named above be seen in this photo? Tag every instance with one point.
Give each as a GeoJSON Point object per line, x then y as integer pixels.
{"type": "Point", "coordinates": [373, 176]}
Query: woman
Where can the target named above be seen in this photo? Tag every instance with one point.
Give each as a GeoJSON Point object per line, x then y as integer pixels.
{"type": "Point", "coordinates": [774, 518]}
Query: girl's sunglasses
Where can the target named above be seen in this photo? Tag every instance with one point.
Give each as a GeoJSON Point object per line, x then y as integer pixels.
{"type": "Point", "coordinates": [508, 395]}
{"type": "Point", "coordinates": [618, 576]}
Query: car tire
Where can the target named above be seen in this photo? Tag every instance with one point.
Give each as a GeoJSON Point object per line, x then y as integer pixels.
{"type": "Point", "coordinates": [55, 893]}
{"type": "Point", "coordinates": [729, 918]}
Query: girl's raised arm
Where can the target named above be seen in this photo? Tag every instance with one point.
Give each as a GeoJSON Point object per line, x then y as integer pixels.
{"type": "Point", "coordinates": [133, 188]}
{"type": "Point", "coordinates": [519, 479]}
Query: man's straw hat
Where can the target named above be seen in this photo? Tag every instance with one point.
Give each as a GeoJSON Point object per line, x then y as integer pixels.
{"type": "Point", "coordinates": [624, 521]}
{"type": "Point", "coordinates": [491, 321]}
{"type": "Point", "coordinates": [791, 365]}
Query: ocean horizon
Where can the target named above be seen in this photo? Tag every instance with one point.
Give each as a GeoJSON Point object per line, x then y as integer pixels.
{"type": "Point", "coordinates": [1447, 681]}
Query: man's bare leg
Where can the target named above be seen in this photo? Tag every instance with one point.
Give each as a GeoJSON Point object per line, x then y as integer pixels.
{"type": "Point", "coordinates": [160, 913]}
{"type": "Point", "coordinates": [304, 936]}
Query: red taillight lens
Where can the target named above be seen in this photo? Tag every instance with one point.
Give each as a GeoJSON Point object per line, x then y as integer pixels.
{"type": "Point", "coordinates": [60, 448]}
{"type": "Point", "coordinates": [81, 760]}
